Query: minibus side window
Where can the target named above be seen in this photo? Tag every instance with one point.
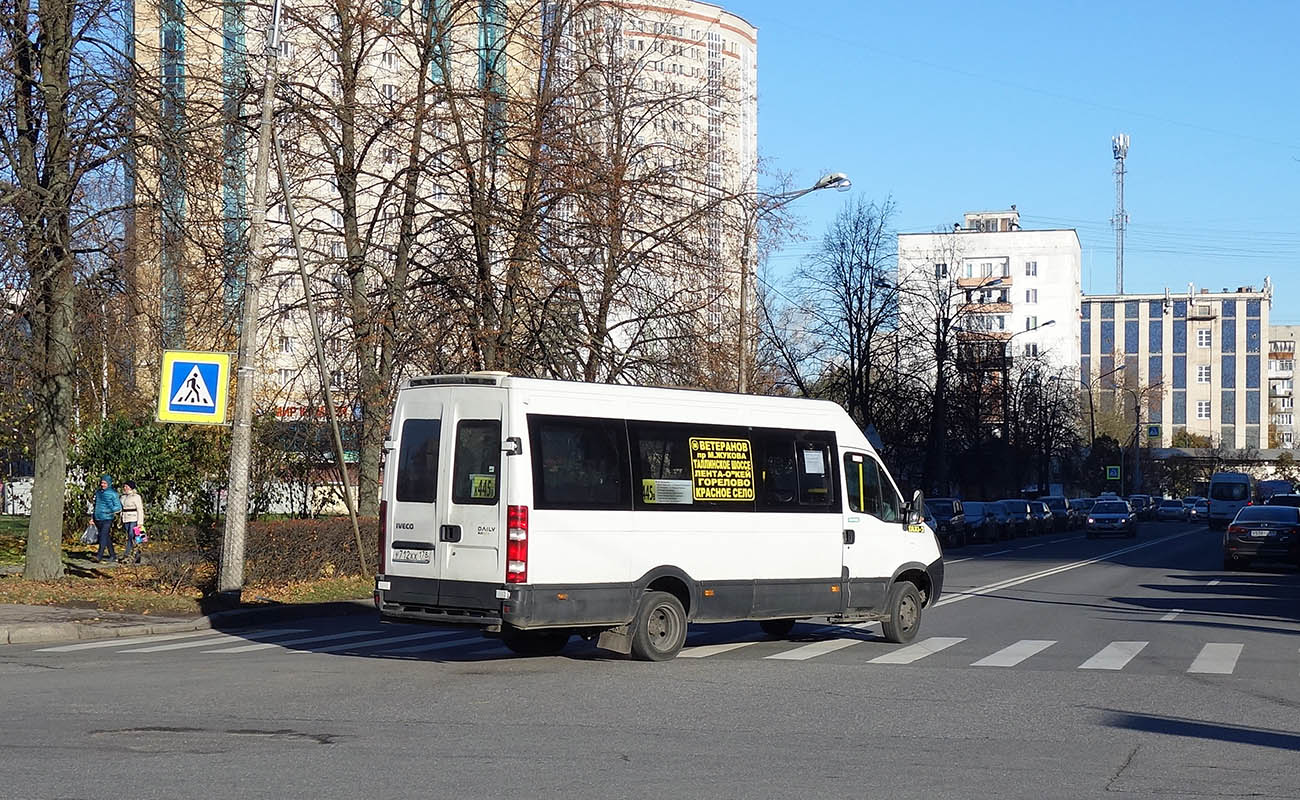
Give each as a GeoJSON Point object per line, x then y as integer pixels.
{"type": "Point", "coordinates": [476, 473]}
{"type": "Point", "coordinates": [579, 463]}
{"type": "Point", "coordinates": [891, 505]}
{"type": "Point", "coordinates": [868, 488]}
{"type": "Point", "coordinates": [417, 465]}
{"type": "Point", "coordinates": [815, 485]}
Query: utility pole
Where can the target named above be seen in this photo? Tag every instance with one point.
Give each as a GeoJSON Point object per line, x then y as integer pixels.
{"type": "Point", "coordinates": [230, 580]}
{"type": "Point", "coordinates": [1119, 147]}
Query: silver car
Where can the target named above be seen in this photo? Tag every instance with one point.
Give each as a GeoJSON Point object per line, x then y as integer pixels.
{"type": "Point", "coordinates": [1111, 517]}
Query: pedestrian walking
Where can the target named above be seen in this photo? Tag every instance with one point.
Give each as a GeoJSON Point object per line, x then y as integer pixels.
{"type": "Point", "coordinates": [132, 518]}
{"type": "Point", "coordinates": [107, 505]}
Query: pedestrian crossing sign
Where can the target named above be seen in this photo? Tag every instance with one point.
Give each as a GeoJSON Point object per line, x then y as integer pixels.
{"type": "Point", "coordinates": [194, 387]}
{"type": "Point", "coordinates": [1112, 473]}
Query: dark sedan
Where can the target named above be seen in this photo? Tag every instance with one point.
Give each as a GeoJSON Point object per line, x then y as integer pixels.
{"type": "Point", "coordinates": [1262, 532]}
{"type": "Point", "coordinates": [1021, 519]}
{"type": "Point", "coordinates": [1111, 517]}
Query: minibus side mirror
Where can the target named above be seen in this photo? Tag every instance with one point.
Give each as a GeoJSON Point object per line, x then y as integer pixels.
{"type": "Point", "coordinates": [916, 508]}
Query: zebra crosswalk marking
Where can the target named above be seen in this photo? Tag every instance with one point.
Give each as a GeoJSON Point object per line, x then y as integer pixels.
{"type": "Point", "coordinates": [221, 639]}
{"type": "Point", "coordinates": [706, 650]}
{"type": "Point", "coordinates": [1014, 654]}
{"type": "Point", "coordinates": [410, 637]}
{"type": "Point", "coordinates": [1216, 659]}
{"type": "Point", "coordinates": [918, 651]}
{"type": "Point", "coordinates": [1115, 655]}
{"type": "Point", "coordinates": [1172, 615]}
{"type": "Point", "coordinates": [807, 651]}
{"type": "Point", "coordinates": [126, 641]}
{"type": "Point", "coordinates": [248, 648]}
{"type": "Point", "coordinates": [479, 643]}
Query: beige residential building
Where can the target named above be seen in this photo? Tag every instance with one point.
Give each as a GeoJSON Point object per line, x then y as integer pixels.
{"type": "Point", "coordinates": [1281, 384]}
{"type": "Point", "coordinates": [1193, 362]}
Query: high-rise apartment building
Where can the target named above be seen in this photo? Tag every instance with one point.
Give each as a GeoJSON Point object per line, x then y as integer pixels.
{"type": "Point", "coordinates": [661, 94]}
{"type": "Point", "coordinates": [1281, 385]}
{"type": "Point", "coordinates": [1193, 363]}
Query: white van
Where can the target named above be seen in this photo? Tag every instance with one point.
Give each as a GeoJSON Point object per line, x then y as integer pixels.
{"type": "Point", "coordinates": [540, 509]}
{"type": "Point", "coordinates": [1229, 492]}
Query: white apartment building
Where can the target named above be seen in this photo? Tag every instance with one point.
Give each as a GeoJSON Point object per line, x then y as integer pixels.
{"type": "Point", "coordinates": [1193, 361]}
{"type": "Point", "coordinates": [1281, 385]}
{"type": "Point", "coordinates": [1006, 284]}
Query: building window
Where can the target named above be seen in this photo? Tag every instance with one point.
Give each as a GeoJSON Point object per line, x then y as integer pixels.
{"type": "Point", "coordinates": [1202, 337]}
{"type": "Point", "coordinates": [1031, 323]}
{"type": "Point", "coordinates": [390, 59]}
{"type": "Point", "coordinates": [1031, 268]}
{"type": "Point", "coordinates": [1287, 440]}
{"type": "Point", "coordinates": [1202, 409]}
{"type": "Point", "coordinates": [940, 270]}
{"type": "Point", "coordinates": [1031, 295]}
{"type": "Point", "coordinates": [1031, 350]}
{"type": "Point", "coordinates": [389, 91]}
{"type": "Point", "coordinates": [1286, 402]}
{"type": "Point", "coordinates": [286, 344]}
{"type": "Point", "coordinates": [1283, 364]}
{"type": "Point", "coordinates": [286, 377]}
{"type": "Point", "coordinates": [1203, 373]}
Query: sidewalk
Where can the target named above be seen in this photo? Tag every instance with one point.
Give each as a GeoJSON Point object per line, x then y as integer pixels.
{"type": "Point", "coordinates": [33, 624]}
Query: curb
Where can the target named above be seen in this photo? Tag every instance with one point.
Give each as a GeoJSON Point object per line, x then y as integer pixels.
{"type": "Point", "coordinates": [220, 620]}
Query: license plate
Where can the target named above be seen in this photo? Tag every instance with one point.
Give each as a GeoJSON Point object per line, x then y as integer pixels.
{"type": "Point", "coordinates": [1260, 534]}
{"type": "Point", "coordinates": [412, 556]}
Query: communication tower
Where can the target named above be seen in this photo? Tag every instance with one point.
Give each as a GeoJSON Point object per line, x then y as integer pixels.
{"type": "Point", "coordinates": [1119, 147]}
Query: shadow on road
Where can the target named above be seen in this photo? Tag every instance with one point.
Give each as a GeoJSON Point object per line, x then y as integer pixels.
{"type": "Point", "coordinates": [1200, 729]}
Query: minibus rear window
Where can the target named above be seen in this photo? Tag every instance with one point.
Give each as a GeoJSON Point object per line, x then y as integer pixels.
{"type": "Point", "coordinates": [474, 479]}
{"type": "Point", "coordinates": [417, 465]}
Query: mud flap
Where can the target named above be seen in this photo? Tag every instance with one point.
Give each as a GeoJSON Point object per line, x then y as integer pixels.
{"type": "Point", "coordinates": [617, 639]}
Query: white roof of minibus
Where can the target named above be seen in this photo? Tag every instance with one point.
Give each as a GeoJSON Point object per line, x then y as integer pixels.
{"type": "Point", "coordinates": [542, 396]}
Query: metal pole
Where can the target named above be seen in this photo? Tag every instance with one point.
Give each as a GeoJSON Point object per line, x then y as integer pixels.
{"type": "Point", "coordinates": [742, 343]}
{"type": "Point", "coordinates": [230, 580]}
{"type": "Point", "coordinates": [320, 354]}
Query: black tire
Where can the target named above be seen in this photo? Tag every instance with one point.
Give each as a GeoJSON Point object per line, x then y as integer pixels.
{"type": "Point", "coordinates": [777, 628]}
{"type": "Point", "coordinates": [904, 618]}
{"type": "Point", "coordinates": [547, 642]}
{"type": "Point", "coordinates": [659, 629]}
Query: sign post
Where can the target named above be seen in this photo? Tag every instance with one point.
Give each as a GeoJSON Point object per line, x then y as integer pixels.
{"type": "Point", "coordinates": [194, 387]}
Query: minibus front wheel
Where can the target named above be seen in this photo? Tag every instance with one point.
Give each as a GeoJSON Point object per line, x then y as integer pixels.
{"type": "Point", "coordinates": [904, 613]}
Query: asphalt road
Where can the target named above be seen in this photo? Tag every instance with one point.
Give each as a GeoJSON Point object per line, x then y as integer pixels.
{"type": "Point", "coordinates": [1053, 667]}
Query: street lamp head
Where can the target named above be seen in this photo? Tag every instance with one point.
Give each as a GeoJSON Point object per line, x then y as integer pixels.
{"type": "Point", "coordinates": [1048, 324]}
{"type": "Point", "coordinates": [833, 180]}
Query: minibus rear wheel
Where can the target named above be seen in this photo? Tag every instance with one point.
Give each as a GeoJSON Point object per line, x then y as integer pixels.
{"type": "Point", "coordinates": [904, 618]}
{"type": "Point", "coordinates": [659, 629]}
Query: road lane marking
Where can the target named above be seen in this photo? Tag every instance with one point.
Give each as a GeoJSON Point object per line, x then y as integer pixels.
{"type": "Point", "coordinates": [224, 638]}
{"type": "Point", "coordinates": [958, 560]}
{"type": "Point", "coordinates": [367, 643]}
{"type": "Point", "coordinates": [1214, 582]}
{"type": "Point", "coordinates": [1000, 552]}
{"type": "Point", "coordinates": [127, 641]}
{"type": "Point", "coordinates": [1032, 546]}
{"type": "Point", "coordinates": [308, 640]}
{"type": "Point", "coordinates": [918, 651]}
{"type": "Point", "coordinates": [1217, 659]}
{"type": "Point", "coordinates": [1114, 655]}
{"type": "Point", "coordinates": [807, 651]}
{"type": "Point", "coordinates": [1007, 584]}
{"type": "Point", "coordinates": [1014, 654]}
{"type": "Point", "coordinates": [1172, 615]}
{"type": "Point", "coordinates": [706, 650]}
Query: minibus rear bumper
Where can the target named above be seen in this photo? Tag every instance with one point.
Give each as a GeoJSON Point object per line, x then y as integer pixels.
{"type": "Point", "coordinates": [438, 602]}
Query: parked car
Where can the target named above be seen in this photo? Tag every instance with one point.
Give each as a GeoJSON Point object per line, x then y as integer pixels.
{"type": "Point", "coordinates": [1141, 505]}
{"type": "Point", "coordinates": [1171, 511]}
{"type": "Point", "coordinates": [1292, 500]}
{"type": "Point", "coordinates": [1200, 511]}
{"type": "Point", "coordinates": [951, 518]}
{"type": "Point", "coordinates": [981, 523]}
{"type": "Point", "coordinates": [1262, 532]}
{"type": "Point", "coordinates": [1062, 514]}
{"type": "Point", "coordinates": [1111, 516]}
{"type": "Point", "coordinates": [1021, 521]}
{"type": "Point", "coordinates": [1045, 521]}
{"type": "Point", "coordinates": [1082, 505]}
{"type": "Point", "coordinates": [1003, 517]}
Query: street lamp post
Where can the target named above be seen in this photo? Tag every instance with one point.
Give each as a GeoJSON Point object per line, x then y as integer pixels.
{"type": "Point", "coordinates": [1137, 433]}
{"type": "Point", "coordinates": [1006, 376]}
{"type": "Point", "coordinates": [766, 204]}
{"type": "Point", "coordinates": [1092, 411]}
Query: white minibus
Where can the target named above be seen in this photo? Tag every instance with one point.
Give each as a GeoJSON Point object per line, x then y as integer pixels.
{"type": "Point", "coordinates": [538, 509]}
{"type": "Point", "coordinates": [1229, 493]}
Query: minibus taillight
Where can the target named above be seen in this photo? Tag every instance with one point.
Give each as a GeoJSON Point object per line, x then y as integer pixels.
{"type": "Point", "coordinates": [383, 536]}
{"type": "Point", "coordinates": [516, 544]}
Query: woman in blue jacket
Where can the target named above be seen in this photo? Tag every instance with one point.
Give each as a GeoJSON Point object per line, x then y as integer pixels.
{"type": "Point", "coordinates": [107, 506]}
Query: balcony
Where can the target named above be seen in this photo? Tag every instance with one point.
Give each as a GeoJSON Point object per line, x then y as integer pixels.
{"type": "Point", "coordinates": [986, 308]}
{"type": "Point", "coordinates": [1002, 281]}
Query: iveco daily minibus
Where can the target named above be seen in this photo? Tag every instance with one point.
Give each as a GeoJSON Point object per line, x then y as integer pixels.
{"type": "Point", "coordinates": [538, 509]}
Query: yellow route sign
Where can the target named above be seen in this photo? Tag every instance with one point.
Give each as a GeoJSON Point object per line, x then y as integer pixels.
{"type": "Point", "coordinates": [722, 469]}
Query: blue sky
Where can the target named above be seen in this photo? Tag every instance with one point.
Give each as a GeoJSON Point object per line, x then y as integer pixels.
{"type": "Point", "coordinates": [951, 107]}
